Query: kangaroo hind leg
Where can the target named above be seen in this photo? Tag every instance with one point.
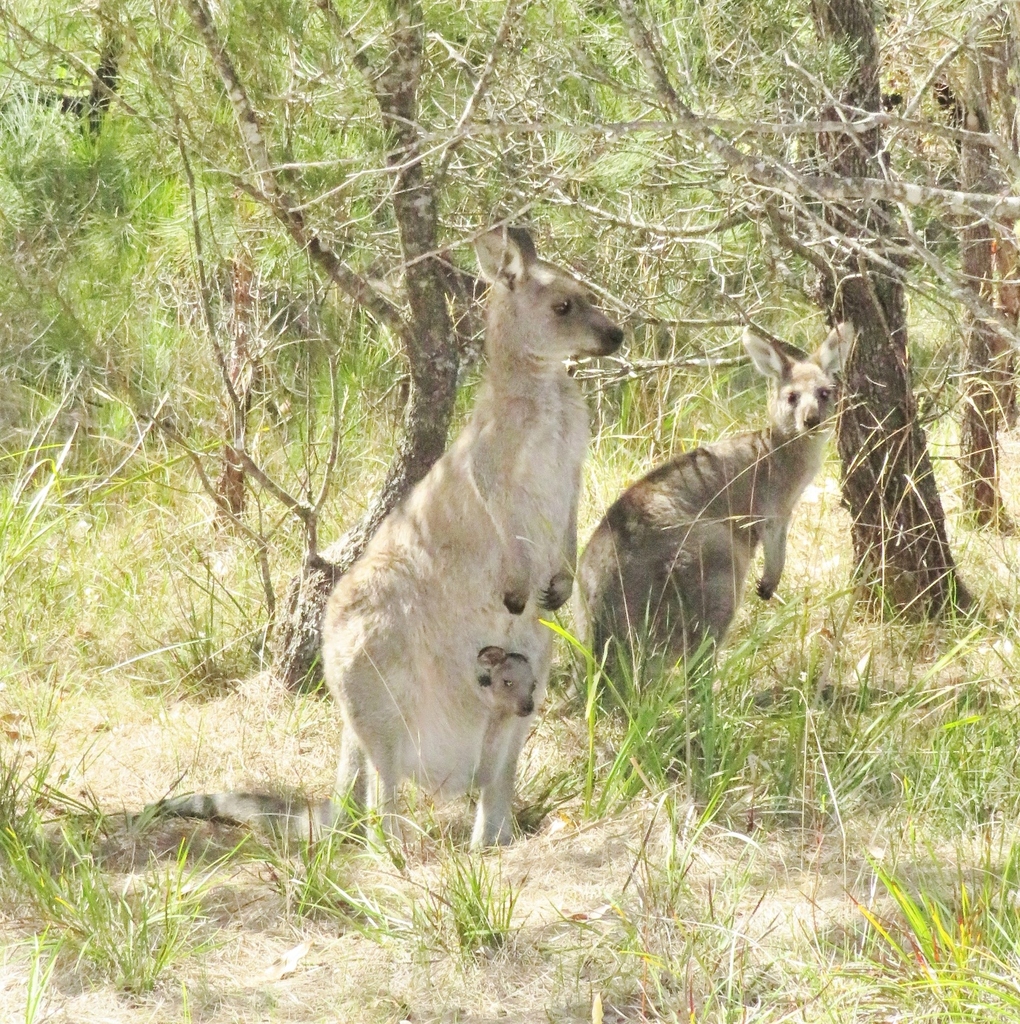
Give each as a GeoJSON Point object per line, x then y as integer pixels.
{"type": "Point", "coordinates": [350, 791]}
{"type": "Point", "coordinates": [494, 822]}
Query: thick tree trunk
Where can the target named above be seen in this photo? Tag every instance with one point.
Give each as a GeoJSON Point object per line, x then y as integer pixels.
{"type": "Point", "coordinates": [430, 344]}
{"type": "Point", "coordinates": [898, 527]}
{"type": "Point", "coordinates": [986, 368]}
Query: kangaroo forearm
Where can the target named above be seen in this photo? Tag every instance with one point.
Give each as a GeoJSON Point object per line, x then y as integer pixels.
{"type": "Point", "coordinates": [560, 586]}
{"type": "Point", "coordinates": [570, 541]}
{"type": "Point", "coordinates": [775, 560]}
{"type": "Point", "coordinates": [518, 575]}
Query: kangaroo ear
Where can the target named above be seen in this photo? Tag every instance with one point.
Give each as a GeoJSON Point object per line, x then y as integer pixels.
{"type": "Point", "coordinates": [505, 254]}
{"type": "Point", "coordinates": [491, 657]}
{"type": "Point", "coordinates": [767, 359]}
{"type": "Point", "coordinates": [832, 353]}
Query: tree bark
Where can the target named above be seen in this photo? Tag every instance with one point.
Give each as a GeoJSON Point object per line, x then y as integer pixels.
{"type": "Point", "coordinates": [230, 486]}
{"type": "Point", "coordinates": [898, 527]}
{"type": "Point", "coordinates": [430, 345]}
{"type": "Point", "coordinates": [105, 79]}
{"type": "Point", "coordinates": [986, 358]}
{"type": "Point", "coordinates": [1005, 79]}
{"type": "Point", "coordinates": [1006, 270]}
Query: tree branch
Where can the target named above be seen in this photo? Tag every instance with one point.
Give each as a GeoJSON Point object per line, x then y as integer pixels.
{"type": "Point", "coordinates": [783, 178]}
{"type": "Point", "coordinates": [459, 135]}
{"type": "Point", "coordinates": [282, 204]}
{"type": "Point", "coordinates": [260, 542]}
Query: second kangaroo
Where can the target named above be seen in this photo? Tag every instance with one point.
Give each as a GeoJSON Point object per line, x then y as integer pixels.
{"type": "Point", "coordinates": [666, 566]}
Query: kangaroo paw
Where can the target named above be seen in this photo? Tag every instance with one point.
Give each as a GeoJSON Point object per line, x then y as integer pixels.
{"type": "Point", "coordinates": [557, 593]}
{"type": "Point", "coordinates": [765, 590]}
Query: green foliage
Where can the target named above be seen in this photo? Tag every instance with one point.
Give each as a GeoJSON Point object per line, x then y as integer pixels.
{"type": "Point", "coordinates": [957, 953]}
{"type": "Point", "coordinates": [44, 959]}
{"type": "Point", "coordinates": [470, 910]}
{"type": "Point", "coordinates": [129, 933]}
{"type": "Point", "coordinates": [321, 884]}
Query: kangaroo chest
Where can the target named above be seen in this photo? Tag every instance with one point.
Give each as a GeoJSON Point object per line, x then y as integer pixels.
{"type": "Point", "coordinates": [547, 458]}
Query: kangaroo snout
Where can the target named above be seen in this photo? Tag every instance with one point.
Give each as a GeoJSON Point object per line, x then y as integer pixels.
{"type": "Point", "coordinates": [608, 335]}
{"type": "Point", "coordinates": [612, 339]}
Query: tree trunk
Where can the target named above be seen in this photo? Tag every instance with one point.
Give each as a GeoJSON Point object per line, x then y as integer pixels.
{"type": "Point", "coordinates": [104, 83]}
{"type": "Point", "coordinates": [1006, 270]}
{"type": "Point", "coordinates": [429, 342]}
{"type": "Point", "coordinates": [986, 360]}
{"type": "Point", "coordinates": [898, 528]}
{"type": "Point", "coordinates": [241, 368]}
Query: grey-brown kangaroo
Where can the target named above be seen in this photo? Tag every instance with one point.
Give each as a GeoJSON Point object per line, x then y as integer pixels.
{"type": "Point", "coordinates": [666, 567]}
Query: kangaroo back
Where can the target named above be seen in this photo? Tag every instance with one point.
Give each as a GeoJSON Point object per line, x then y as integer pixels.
{"type": "Point", "coordinates": [666, 567]}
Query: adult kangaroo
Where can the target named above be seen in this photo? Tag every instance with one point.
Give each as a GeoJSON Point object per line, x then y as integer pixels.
{"type": "Point", "coordinates": [666, 567]}
{"type": "Point", "coordinates": [464, 563]}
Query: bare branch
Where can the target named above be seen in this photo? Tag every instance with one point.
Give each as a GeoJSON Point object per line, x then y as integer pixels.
{"type": "Point", "coordinates": [683, 234]}
{"type": "Point", "coordinates": [100, 87]}
{"type": "Point", "coordinates": [203, 281]}
{"type": "Point", "coordinates": [260, 542]}
{"type": "Point", "coordinates": [279, 201]}
{"type": "Point", "coordinates": [950, 55]}
{"type": "Point", "coordinates": [616, 369]}
{"type": "Point", "coordinates": [779, 222]}
{"type": "Point", "coordinates": [459, 134]}
{"type": "Point", "coordinates": [343, 33]}
{"type": "Point", "coordinates": [783, 178]}
{"type": "Point", "coordinates": [338, 408]}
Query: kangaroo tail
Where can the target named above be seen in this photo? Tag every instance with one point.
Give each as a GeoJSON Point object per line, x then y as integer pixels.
{"type": "Point", "coordinates": [293, 817]}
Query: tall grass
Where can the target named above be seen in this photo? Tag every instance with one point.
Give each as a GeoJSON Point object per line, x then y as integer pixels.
{"type": "Point", "coordinates": [129, 932]}
{"type": "Point", "coordinates": [470, 910]}
{"type": "Point", "coordinates": [954, 949]}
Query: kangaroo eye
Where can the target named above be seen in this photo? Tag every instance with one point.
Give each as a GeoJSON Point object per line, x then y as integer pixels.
{"type": "Point", "coordinates": [562, 308]}
{"type": "Point", "coordinates": [823, 394]}
{"type": "Point", "coordinates": [792, 397]}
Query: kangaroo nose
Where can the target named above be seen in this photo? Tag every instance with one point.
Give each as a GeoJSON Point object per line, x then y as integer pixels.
{"type": "Point", "coordinates": [811, 419]}
{"type": "Point", "coordinates": [613, 338]}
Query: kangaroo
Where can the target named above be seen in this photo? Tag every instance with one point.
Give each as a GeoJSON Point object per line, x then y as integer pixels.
{"type": "Point", "coordinates": [508, 684]}
{"type": "Point", "coordinates": [667, 564]}
{"type": "Point", "coordinates": [478, 547]}
{"type": "Point", "coordinates": [509, 679]}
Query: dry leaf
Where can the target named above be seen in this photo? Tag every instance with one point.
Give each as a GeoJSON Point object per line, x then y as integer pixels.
{"type": "Point", "coordinates": [596, 1009]}
{"type": "Point", "coordinates": [286, 963]}
{"type": "Point", "coordinates": [560, 821]}
{"type": "Point", "coordinates": [591, 915]}
{"type": "Point", "coordinates": [11, 722]}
